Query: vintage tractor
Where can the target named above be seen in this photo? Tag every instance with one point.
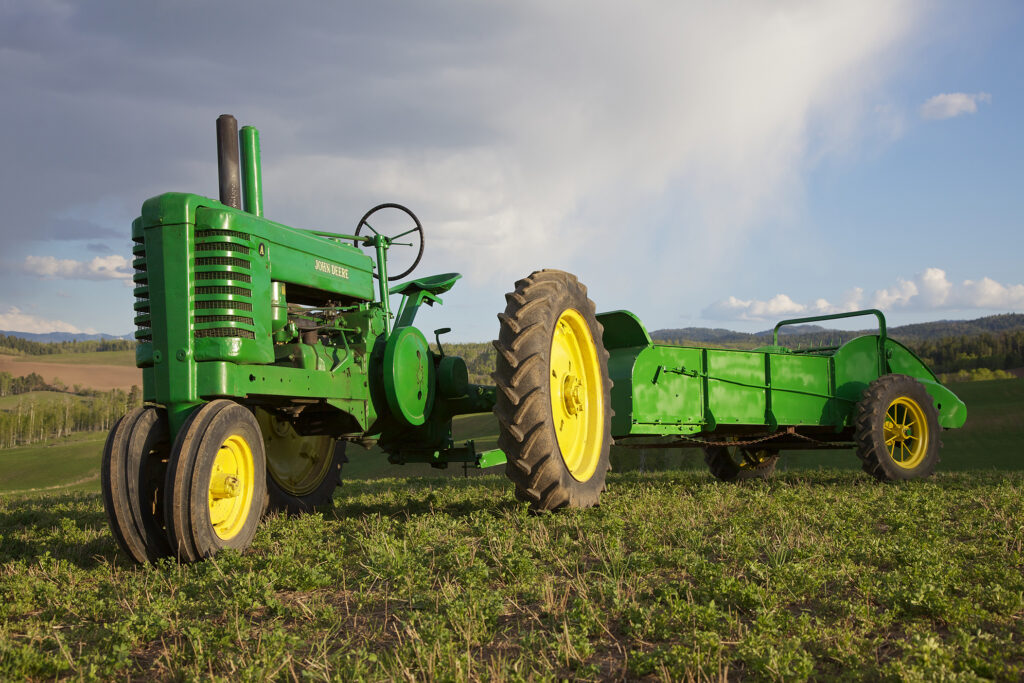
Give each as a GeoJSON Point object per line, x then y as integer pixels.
{"type": "Point", "coordinates": [266, 349]}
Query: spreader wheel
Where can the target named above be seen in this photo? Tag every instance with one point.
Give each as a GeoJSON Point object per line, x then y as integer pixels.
{"type": "Point", "coordinates": [732, 463]}
{"type": "Point", "coordinates": [897, 429]}
{"type": "Point", "coordinates": [216, 481]}
{"type": "Point", "coordinates": [132, 476]}
{"type": "Point", "coordinates": [302, 471]}
{"type": "Point", "coordinates": [554, 403]}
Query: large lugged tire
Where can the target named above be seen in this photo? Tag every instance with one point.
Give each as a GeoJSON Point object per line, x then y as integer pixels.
{"type": "Point", "coordinates": [897, 429]}
{"type": "Point", "coordinates": [302, 471]}
{"type": "Point", "coordinates": [216, 482]}
{"type": "Point", "coordinates": [553, 402]}
{"type": "Point", "coordinates": [738, 464]}
{"type": "Point", "coordinates": [132, 477]}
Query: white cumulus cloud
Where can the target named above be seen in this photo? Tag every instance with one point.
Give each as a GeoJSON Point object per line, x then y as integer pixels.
{"type": "Point", "coordinates": [930, 290]}
{"type": "Point", "coordinates": [14, 320]}
{"type": "Point", "coordinates": [949, 105]}
{"type": "Point", "coordinates": [112, 267]}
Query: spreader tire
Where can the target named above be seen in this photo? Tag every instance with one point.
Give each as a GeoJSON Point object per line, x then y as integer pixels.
{"type": "Point", "coordinates": [897, 429]}
{"type": "Point", "coordinates": [553, 401]}
{"type": "Point", "coordinates": [736, 464]}
{"type": "Point", "coordinates": [216, 482]}
{"type": "Point", "coordinates": [302, 471]}
{"type": "Point", "coordinates": [132, 477]}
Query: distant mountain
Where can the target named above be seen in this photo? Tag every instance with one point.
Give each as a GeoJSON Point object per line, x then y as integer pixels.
{"type": "Point", "coordinates": [815, 334]}
{"type": "Point", "coordinates": [48, 337]}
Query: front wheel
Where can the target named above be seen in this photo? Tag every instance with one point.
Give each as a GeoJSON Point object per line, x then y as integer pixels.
{"type": "Point", "coordinates": [132, 477]}
{"type": "Point", "coordinates": [897, 429]}
{"type": "Point", "coordinates": [553, 402]}
{"type": "Point", "coordinates": [216, 481]}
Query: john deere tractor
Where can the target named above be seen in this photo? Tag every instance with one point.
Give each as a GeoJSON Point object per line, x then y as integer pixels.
{"type": "Point", "coordinates": [267, 349]}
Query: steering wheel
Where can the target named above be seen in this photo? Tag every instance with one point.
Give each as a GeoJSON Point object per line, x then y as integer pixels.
{"type": "Point", "coordinates": [418, 228]}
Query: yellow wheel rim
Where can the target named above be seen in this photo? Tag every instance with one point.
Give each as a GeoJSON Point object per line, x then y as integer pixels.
{"type": "Point", "coordinates": [232, 483]}
{"type": "Point", "coordinates": [577, 397]}
{"type": "Point", "coordinates": [906, 432]}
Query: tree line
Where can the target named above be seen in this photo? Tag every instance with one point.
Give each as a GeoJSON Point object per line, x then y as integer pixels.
{"type": "Point", "coordinates": [1001, 351]}
{"type": "Point", "coordinates": [17, 345]}
{"type": "Point", "coordinates": [35, 419]}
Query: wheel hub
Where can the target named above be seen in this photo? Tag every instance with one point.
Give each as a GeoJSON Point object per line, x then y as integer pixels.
{"type": "Point", "coordinates": [572, 394]}
{"type": "Point", "coordinates": [224, 485]}
{"type": "Point", "coordinates": [906, 432]}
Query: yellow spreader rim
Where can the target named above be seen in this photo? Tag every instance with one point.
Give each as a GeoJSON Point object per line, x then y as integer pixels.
{"type": "Point", "coordinates": [232, 483]}
{"type": "Point", "coordinates": [906, 432]}
{"type": "Point", "coordinates": [577, 397]}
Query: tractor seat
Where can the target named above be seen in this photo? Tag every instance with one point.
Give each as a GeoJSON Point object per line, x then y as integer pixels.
{"type": "Point", "coordinates": [432, 284]}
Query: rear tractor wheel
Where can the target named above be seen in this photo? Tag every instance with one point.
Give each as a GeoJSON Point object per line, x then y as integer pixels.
{"type": "Point", "coordinates": [897, 429]}
{"type": "Point", "coordinates": [734, 463]}
{"type": "Point", "coordinates": [216, 481]}
{"type": "Point", "coordinates": [132, 476]}
{"type": "Point", "coordinates": [302, 471]}
{"type": "Point", "coordinates": [554, 403]}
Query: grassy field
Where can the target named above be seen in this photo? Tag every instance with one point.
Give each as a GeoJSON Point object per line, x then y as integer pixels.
{"type": "Point", "coordinates": [809, 576]}
{"type": "Point", "coordinates": [12, 402]}
{"type": "Point", "coordinates": [818, 573]}
{"type": "Point", "coordinates": [68, 464]}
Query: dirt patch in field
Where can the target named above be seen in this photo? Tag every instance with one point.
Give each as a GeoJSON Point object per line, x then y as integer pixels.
{"type": "Point", "coordinates": [101, 377]}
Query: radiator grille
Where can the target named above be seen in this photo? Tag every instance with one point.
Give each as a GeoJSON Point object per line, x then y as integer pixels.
{"type": "Point", "coordinates": [220, 256]}
{"type": "Point", "coordinates": [143, 321]}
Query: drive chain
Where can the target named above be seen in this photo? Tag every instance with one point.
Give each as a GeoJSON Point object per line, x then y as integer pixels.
{"type": "Point", "coordinates": [688, 440]}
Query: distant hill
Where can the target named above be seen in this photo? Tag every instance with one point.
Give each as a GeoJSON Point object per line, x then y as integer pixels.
{"type": "Point", "coordinates": [815, 334]}
{"type": "Point", "coordinates": [50, 337]}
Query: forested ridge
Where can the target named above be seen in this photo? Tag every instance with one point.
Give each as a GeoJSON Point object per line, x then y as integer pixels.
{"type": "Point", "coordinates": [48, 410]}
{"type": "Point", "coordinates": [17, 346]}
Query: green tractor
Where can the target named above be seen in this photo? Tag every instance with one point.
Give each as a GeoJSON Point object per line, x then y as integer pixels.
{"type": "Point", "coordinates": [267, 349]}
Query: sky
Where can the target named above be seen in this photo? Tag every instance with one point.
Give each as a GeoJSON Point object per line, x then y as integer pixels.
{"type": "Point", "coordinates": [702, 164]}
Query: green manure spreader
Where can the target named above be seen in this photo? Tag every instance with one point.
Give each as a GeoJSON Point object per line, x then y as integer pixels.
{"type": "Point", "coordinates": [267, 349]}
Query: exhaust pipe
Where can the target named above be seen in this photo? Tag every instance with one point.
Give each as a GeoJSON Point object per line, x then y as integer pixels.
{"type": "Point", "coordinates": [227, 161]}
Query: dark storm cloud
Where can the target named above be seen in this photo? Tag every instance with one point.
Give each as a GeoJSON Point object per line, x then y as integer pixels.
{"type": "Point", "coordinates": [76, 229]}
{"type": "Point", "coordinates": [116, 101]}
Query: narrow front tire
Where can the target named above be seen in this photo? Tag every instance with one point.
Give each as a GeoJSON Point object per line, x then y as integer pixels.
{"type": "Point", "coordinates": [216, 487]}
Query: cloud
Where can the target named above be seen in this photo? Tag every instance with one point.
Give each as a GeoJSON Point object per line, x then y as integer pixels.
{"type": "Point", "coordinates": [524, 135]}
{"type": "Point", "coordinates": [950, 105]}
{"type": "Point", "coordinates": [930, 290]}
{"type": "Point", "coordinates": [112, 267]}
{"type": "Point", "coordinates": [739, 309]}
{"type": "Point", "coordinates": [16, 321]}
{"type": "Point", "coordinates": [714, 107]}
{"type": "Point", "coordinates": [486, 118]}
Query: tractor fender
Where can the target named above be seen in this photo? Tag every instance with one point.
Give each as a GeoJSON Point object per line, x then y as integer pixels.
{"type": "Point", "coordinates": [624, 337]}
{"type": "Point", "coordinates": [899, 359]}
